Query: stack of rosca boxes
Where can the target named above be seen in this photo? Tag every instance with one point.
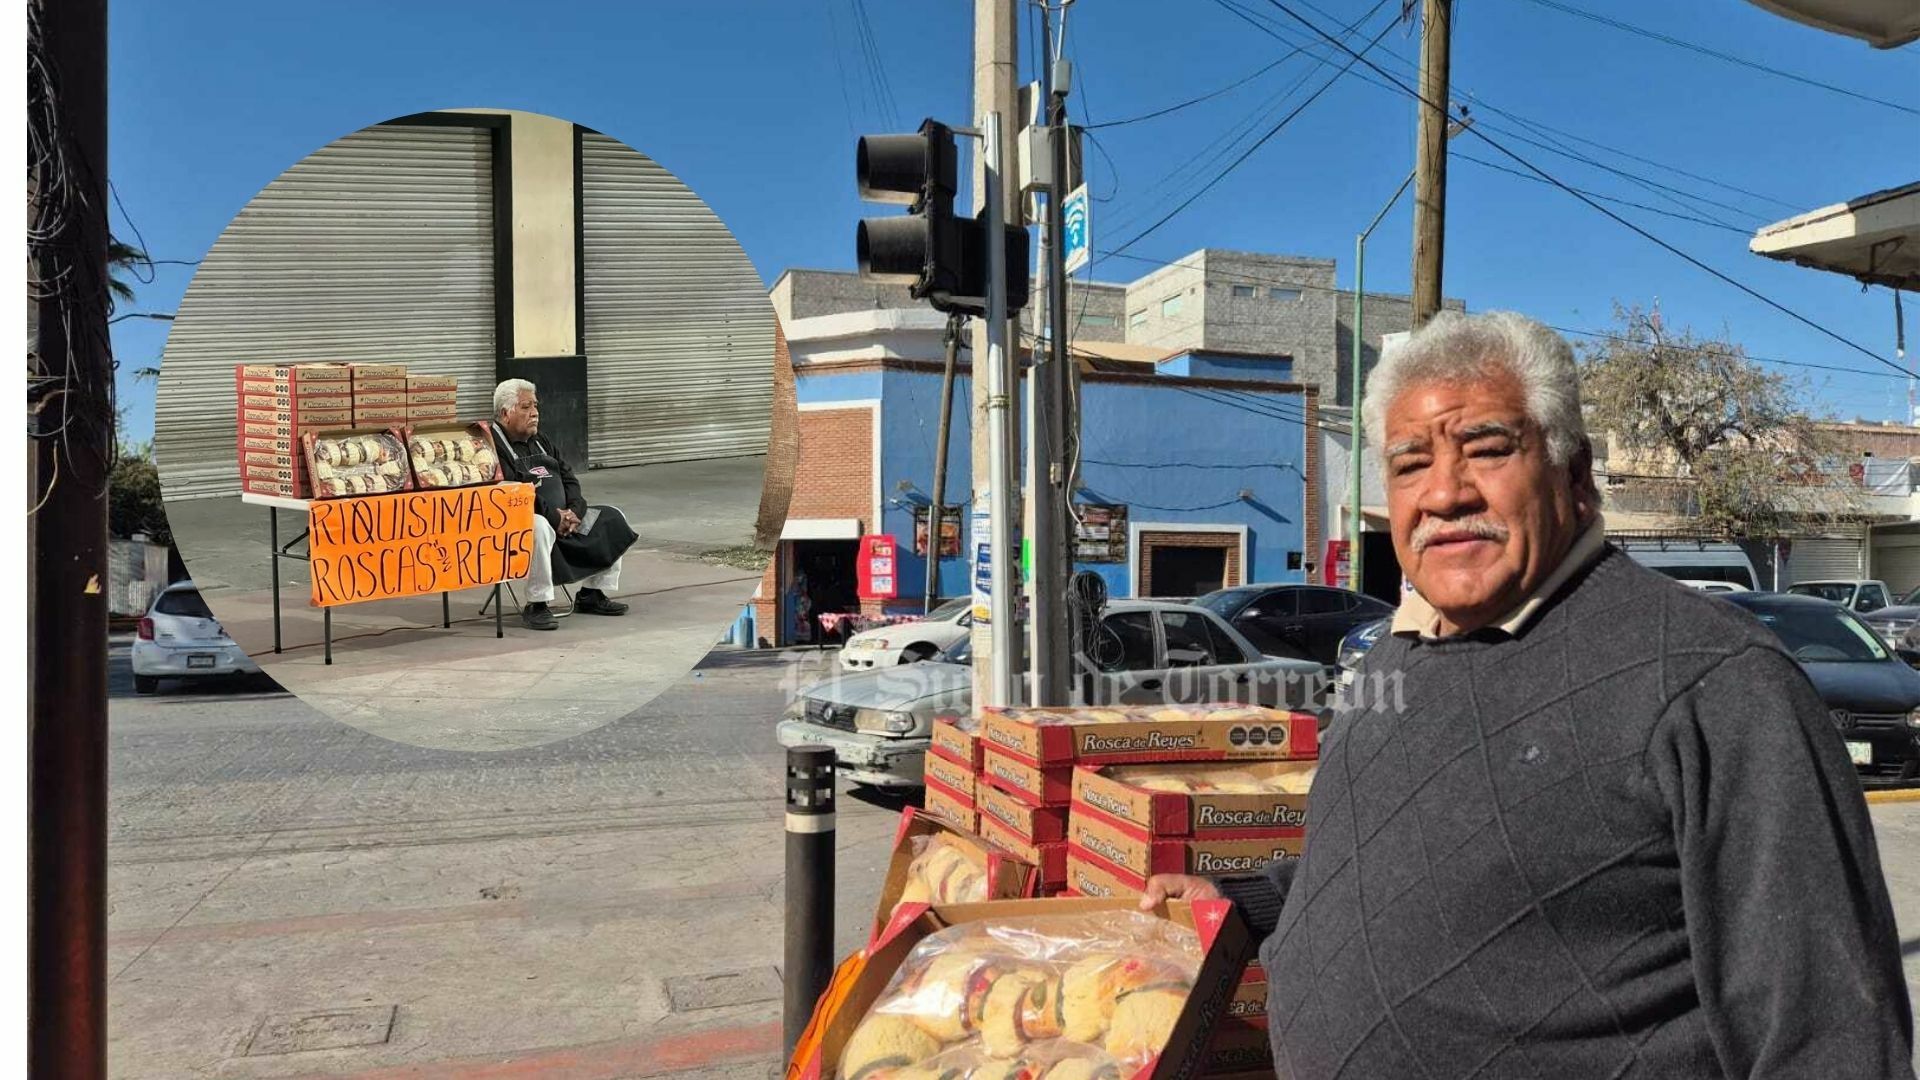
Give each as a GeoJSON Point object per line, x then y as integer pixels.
{"type": "Point", "coordinates": [952, 772]}
{"type": "Point", "coordinates": [278, 403]}
{"type": "Point", "coordinates": [379, 395]}
{"type": "Point", "coordinates": [430, 399]}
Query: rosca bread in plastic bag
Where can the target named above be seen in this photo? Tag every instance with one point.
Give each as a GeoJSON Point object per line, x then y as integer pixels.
{"type": "Point", "coordinates": [944, 871]}
{"type": "Point", "coordinates": [1043, 997]}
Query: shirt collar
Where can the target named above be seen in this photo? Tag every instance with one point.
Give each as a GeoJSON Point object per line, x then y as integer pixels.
{"type": "Point", "coordinates": [1418, 617]}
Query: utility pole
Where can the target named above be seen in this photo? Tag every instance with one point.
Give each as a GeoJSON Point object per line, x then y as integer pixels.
{"type": "Point", "coordinates": [1052, 537]}
{"type": "Point", "coordinates": [70, 451]}
{"type": "Point", "coordinates": [1430, 164]}
{"type": "Point", "coordinates": [995, 75]}
{"type": "Point", "coordinates": [935, 513]}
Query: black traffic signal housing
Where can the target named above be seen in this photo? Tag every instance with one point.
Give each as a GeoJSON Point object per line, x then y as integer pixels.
{"type": "Point", "coordinates": [941, 258]}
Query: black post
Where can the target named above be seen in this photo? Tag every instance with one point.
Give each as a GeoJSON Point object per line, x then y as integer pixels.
{"type": "Point", "coordinates": [326, 620]}
{"type": "Point", "coordinates": [273, 560]}
{"type": "Point", "coordinates": [446, 611]}
{"type": "Point", "coordinates": [809, 921]}
{"type": "Point", "coordinates": [498, 632]}
{"type": "Point", "coordinates": [934, 512]}
{"type": "Point", "coordinates": [70, 452]}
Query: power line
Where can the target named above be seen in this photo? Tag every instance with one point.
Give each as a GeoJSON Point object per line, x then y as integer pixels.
{"type": "Point", "coordinates": [1271, 132]}
{"type": "Point", "coordinates": [1671, 249]}
{"type": "Point", "coordinates": [1703, 50]}
{"type": "Point", "coordinates": [1157, 113]}
{"type": "Point", "coordinates": [1709, 222]}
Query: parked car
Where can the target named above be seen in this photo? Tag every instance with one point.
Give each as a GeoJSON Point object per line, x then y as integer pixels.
{"type": "Point", "coordinates": [909, 642]}
{"type": "Point", "coordinates": [1694, 560]}
{"type": "Point", "coordinates": [1871, 692]}
{"type": "Point", "coordinates": [879, 722]}
{"type": "Point", "coordinates": [180, 639]}
{"type": "Point", "coordinates": [1858, 595]}
{"type": "Point", "coordinates": [1714, 586]}
{"type": "Point", "coordinates": [1895, 622]}
{"type": "Point", "coordinates": [1304, 621]}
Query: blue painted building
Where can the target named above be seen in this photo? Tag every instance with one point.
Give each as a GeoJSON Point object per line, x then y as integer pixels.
{"type": "Point", "coordinates": [1197, 469]}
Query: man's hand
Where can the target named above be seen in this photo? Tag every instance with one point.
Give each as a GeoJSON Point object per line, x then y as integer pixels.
{"type": "Point", "coordinates": [1163, 887]}
{"type": "Point", "coordinates": [569, 523]}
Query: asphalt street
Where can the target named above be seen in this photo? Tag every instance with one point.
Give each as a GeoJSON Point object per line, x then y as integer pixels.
{"type": "Point", "coordinates": [295, 897]}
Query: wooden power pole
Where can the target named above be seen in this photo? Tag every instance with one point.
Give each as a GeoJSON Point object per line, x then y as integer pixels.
{"type": "Point", "coordinates": [1430, 165]}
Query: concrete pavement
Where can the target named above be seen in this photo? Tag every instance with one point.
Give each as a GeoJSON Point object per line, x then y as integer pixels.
{"type": "Point", "coordinates": [395, 667]}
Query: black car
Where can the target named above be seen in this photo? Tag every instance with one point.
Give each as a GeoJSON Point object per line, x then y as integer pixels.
{"type": "Point", "coordinates": [1303, 621]}
{"type": "Point", "coordinates": [1870, 691]}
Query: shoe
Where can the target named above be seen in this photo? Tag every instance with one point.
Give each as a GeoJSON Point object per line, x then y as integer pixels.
{"type": "Point", "coordinates": [537, 617]}
{"type": "Point", "coordinates": [595, 602]}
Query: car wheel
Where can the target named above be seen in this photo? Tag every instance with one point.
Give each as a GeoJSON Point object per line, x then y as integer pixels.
{"type": "Point", "coordinates": [146, 684]}
{"type": "Point", "coordinates": [915, 653]}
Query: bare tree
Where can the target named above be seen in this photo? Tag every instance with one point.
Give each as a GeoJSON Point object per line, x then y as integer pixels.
{"type": "Point", "coordinates": [1702, 432]}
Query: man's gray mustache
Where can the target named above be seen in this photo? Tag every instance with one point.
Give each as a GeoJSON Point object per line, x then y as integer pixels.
{"type": "Point", "coordinates": [1478, 527]}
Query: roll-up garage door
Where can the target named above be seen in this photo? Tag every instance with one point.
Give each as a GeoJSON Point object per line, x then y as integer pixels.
{"type": "Point", "coordinates": [1896, 561]}
{"type": "Point", "coordinates": [1825, 558]}
{"type": "Point", "coordinates": [679, 331]}
{"type": "Point", "coordinates": [377, 247]}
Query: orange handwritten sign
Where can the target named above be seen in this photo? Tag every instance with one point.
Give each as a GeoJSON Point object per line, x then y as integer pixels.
{"type": "Point", "coordinates": [381, 547]}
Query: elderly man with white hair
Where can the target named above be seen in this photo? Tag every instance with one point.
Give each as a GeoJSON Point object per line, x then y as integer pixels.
{"type": "Point", "coordinates": [572, 542]}
{"type": "Point", "coordinates": [1604, 828]}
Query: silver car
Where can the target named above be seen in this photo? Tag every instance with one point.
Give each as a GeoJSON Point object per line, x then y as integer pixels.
{"type": "Point", "coordinates": [879, 722]}
{"type": "Point", "coordinates": [180, 639]}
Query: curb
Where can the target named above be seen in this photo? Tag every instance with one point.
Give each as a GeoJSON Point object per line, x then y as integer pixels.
{"type": "Point", "coordinates": [1902, 795]}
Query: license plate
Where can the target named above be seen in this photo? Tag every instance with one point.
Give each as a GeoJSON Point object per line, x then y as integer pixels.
{"type": "Point", "coordinates": [1860, 752]}
{"type": "Point", "coordinates": [202, 660]}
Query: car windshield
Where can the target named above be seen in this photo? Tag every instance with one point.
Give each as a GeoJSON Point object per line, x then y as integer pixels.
{"type": "Point", "coordinates": [183, 602]}
{"type": "Point", "coordinates": [952, 609]}
{"type": "Point", "coordinates": [1836, 591]}
{"type": "Point", "coordinates": [1226, 601]}
{"type": "Point", "coordinates": [1736, 575]}
{"type": "Point", "coordinates": [1911, 598]}
{"type": "Point", "coordinates": [1826, 636]}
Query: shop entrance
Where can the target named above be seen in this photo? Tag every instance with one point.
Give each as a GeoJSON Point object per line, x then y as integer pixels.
{"type": "Point", "coordinates": [1380, 567]}
{"type": "Point", "coordinates": [822, 573]}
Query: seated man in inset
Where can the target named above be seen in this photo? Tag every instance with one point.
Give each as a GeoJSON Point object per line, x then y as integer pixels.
{"type": "Point", "coordinates": [572, 542]}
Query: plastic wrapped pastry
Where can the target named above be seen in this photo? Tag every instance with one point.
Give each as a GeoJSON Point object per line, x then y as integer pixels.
{"type": "Point", "coordinates": [944, 871]}
{"type": "Point", "coordinates": [446, 457]}
{"type": "Point", "coordinates": [1044, 997]}
{"type": "Point", "coordinates": [357, 463]}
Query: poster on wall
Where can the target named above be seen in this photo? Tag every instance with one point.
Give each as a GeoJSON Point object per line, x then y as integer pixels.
{"type": "Point", "coordinates": [982, 531]}
{"type": "Point", "coordinates": [949, 530]}
{"type": "Point", "coordinates": [875, 575]}
{"type": "Point", "coordinates": [1101, 535]}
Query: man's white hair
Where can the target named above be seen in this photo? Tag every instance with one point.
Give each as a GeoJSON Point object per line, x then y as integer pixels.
{"type": "Point", "coordinates": [507, 394]}
{"type": "Point", "coordinates": [1457, 348]}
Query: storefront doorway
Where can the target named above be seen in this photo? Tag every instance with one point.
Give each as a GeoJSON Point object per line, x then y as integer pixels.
{"type": "Point", "coordinates": [822, 573]}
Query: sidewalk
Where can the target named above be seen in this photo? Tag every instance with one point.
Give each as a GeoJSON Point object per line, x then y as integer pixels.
{"type": "Point", "coordinates": [395, 670]}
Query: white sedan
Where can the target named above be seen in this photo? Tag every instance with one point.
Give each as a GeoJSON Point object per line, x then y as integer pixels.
{"type": "Point", "coordinates": [180, 639]}
{"type": "Point", "coordinates": [909, 642]}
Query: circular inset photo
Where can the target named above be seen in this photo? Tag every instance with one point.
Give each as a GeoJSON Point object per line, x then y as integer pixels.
{"type": "Point", "coordinates": [462, 432]}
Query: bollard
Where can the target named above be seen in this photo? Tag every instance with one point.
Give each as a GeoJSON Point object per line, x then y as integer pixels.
{"type": "Point", "coordinates": [809, 918]}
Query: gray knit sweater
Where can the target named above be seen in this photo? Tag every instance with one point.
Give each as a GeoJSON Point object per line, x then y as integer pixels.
{"type": "Point", "coordinates": [1626, 842]}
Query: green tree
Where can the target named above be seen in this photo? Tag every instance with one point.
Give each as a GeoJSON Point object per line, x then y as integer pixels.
{"type": "Point", "coordinates": [1703, 432]}
{"type": "Point", "coordinates": [133, 496]}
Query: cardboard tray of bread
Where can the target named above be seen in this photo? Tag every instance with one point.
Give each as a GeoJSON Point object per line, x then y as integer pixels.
{"type": "Point", "coordinates": [934, 861]}
{"type": "Point", "coordinates": [1038, 989]}
{"type": "Point", "coordinates": [1211, 799]}
{"type": "Point", "coordinates": [453, 455]}
{"type": "Point", "coordinates": [1118, 734]}
{"type": "Point", "coordinates": [361, 461]}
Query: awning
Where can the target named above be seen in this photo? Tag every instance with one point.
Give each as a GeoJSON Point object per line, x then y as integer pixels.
{"type": "Point", "coordinates": [1874, 238]}
{"type": "Point", "coordinates": [1884, 24]}
{"type": "Point", "coordinates": [821, 529]}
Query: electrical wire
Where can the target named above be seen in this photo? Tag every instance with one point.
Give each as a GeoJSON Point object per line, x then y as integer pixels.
{"type": "Point", "coordinates": [1676, 215]}
{"type": "Point", "coordinates": [1703, 50]}
{"type": "Point", "coordinates": [1190, 102]}
{"type": "Point", "coordinates": [1595, 205]}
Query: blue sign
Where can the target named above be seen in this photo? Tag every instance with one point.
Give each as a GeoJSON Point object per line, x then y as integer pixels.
{"type": "Point", "coordinates": [1078, 242]}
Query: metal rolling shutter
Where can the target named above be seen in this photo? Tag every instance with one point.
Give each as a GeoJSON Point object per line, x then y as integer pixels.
{"type": "Point", "coordinates": [679, 330]}
{"type": "Point", "coordinates": [1896, 561]}
{"type": "Point", "coordinates": [1824, 558]}
{"type": "Point", "coordinates": [377, 247]}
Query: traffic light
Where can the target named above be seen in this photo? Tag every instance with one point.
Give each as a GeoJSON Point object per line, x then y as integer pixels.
{"type": "Point", "coordinates": [941, 258]}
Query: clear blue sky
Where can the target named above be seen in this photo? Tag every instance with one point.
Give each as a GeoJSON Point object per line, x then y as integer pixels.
{"type": "Point", "coordinates": [756, 105]}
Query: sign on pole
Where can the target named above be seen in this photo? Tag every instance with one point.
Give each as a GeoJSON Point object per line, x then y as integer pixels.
{"type": "Point", "coordinates": [1078, 232]}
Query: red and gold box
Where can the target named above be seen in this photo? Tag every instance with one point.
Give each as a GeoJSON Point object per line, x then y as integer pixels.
{"type": "Point", "coordinates": [1120, 792]}
{"type": "Point", "coordinates": [1136, 856]}
{"type": "Point", "coordinates": [1049, 859]}
{"type": "Point", "coordinates": [1033, 824]}
{"type": "Point", "coordinates": [955, 775]}
{"type": "Point", "coordinates": [1121, 734]}
{"type": "Point", "coordinates": [951, 806]}
{"type": "Point", "coordinates": [1036, 785]}
{"type": "Point", "coordinates": [959, 738]}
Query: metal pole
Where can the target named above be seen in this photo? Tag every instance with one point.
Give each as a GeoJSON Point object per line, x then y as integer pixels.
{"type": "Point", "coordinates": [70, 418]}
{"type": "Point", "coordinates": [1355, 461]}
{"type": "Point", "coordinates": [1053, 525]}
{"type": "Point", "coordinates": [935, 515]}
{"type": "Point", "coordinates": [809, 916]}
{"type": "Point", "coordinates": [1430, 196]}
{"type": "Point", "coordinates": [1000, 387]}
{"type": "Point", "coordinates": [273, 561]}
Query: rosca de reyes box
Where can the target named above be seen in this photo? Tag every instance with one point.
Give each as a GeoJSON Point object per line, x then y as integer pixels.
{"type": "Point", "coordinates": [1240, 1049]}
{"type": "Point", "coordinates": [1033, 824]}
{"type": "Point", "coordinates": [1090, 877]}
{"type": "Point", "coordinates": [1211, 799]}
{"type": "Point", "coordinates": [1249, 1002]}
{"type": "Point", "coordinates": [959, 738]}
{"type": "Point", "coordinates": [1139, 856]}
{"type": "Point", "coordinates": [956, 775]}
{"type": "Point", "coordinates": [1120, 734]}
{"type": "Point", "coordinates": [1028, 988]}
{"type": "Point", "coordinates": [379, 377]}
{"type": "Point", "coordinates": [295, 414]}
{"type": "Point", "coordinates": [1041, 786]}
{"type": "Point", "coordinates": [935, 863]}
{"type": "Point", "coordinates": [951, 806]}
{"type": "Point", "coordinates": [432, 414]}
{"type": "Point", "coordinates": [431, 389]}
{"type": "Point", "coordinates": [1048, 860]}
{"type": "Point", "coordinates": [293, 380]}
